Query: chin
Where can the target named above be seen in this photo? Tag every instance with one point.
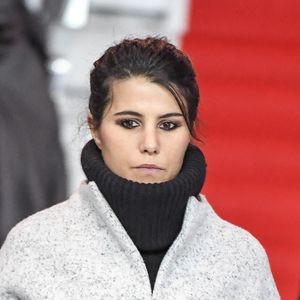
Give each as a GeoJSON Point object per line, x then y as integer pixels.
{"type": "Point", "coordinates": [149, 179]}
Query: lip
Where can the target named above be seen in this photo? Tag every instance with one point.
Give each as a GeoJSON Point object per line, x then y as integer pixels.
{"type": "Point", "coordinates": [149, 166]}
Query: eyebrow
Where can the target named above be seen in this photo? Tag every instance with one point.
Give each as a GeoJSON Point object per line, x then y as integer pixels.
{"type": "Point", "coordinates": [136, 114]}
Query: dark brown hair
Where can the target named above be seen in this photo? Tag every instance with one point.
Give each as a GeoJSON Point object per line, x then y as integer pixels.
{"type": "Point", "coordinates": [153, 58]}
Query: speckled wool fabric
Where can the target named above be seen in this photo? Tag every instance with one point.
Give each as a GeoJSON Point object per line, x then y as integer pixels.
{"type": "Point", "coordinates": [79, 250]}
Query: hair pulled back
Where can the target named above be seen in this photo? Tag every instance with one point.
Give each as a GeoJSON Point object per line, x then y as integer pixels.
{"type": "Point", "coordinates": [153, 58]}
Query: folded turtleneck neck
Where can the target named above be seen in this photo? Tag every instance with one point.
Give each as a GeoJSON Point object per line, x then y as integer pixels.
{"type": "Point", "coordinates": [151, 213]}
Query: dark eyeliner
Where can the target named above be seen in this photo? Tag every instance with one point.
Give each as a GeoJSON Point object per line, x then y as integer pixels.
{"type": "Point", "coordinates": [125, 123]}
{"type": "Point", "coordinates": [176, 125]}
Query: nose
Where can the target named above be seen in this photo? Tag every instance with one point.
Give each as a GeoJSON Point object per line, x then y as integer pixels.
{"type": "Point", "coordinates": [149, 142]}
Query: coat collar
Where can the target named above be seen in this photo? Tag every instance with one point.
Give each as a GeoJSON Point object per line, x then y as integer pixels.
{"type": "Point", "coordinates": [196, 213]}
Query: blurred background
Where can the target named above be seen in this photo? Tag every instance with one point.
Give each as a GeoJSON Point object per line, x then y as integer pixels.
{"type": "Point", "coordinates": [247, 58]}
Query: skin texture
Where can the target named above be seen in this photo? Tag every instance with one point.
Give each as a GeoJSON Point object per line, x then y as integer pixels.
{"type": "Point", "coordinates": [143, 135]}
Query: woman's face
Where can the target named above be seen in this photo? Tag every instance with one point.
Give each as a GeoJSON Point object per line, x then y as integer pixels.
{"type": "Point", "coordinates": [143, 135]}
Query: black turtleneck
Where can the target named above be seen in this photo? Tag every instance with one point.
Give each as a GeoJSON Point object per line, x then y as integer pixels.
{"type": "Point", "coordinates": [152, 214]}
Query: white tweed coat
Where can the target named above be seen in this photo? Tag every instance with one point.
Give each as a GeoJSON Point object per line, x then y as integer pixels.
{"type": "Point", "coordinates": [79, 250]}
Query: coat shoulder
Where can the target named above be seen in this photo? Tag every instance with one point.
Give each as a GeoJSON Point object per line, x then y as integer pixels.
{"type": "Point", "coordinates": [231, 257]}
{"type": "Point", "coordinates": [48, 223]}
{"type": "Point", "coordinates": [229, 236]}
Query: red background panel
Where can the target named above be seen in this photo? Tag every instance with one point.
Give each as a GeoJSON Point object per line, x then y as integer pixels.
{"type": "Point", "coordinates": [247, 58]}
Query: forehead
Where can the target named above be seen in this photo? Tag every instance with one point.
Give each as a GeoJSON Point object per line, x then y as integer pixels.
{"type": "Point", "coordinates": [140, 94]}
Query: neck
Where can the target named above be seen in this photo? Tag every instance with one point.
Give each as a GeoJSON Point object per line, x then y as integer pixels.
{"type": "Point", "coordinates": [152, 214]}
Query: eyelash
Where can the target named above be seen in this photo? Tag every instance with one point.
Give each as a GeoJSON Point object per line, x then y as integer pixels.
{"type": "Point", "coordinates": [128, 124]}
{"type": "Point", "coordinates": [173, 124]}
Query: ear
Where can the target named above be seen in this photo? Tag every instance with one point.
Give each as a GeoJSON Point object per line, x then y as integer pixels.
{"type": "Point", "coordinates": [93, 130]}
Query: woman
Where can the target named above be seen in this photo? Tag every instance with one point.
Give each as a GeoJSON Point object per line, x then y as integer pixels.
{"type": "Point", "coordinates": [138, 229]}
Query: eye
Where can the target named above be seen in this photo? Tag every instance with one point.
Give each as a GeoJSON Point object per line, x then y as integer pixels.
{"type": "Point", "coordinates": [168, 126]}
{"type": "Point", "coordinates": [128, 123]}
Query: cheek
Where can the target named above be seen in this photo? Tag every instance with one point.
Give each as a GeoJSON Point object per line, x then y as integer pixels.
{"type": "Point", "coordinates": [115, 148]}
{"type": "Point", "coordinates": [181, 141]}
{"type": "Point", "coordinates": [110, 139]}
{"type": "Point", "coordinates": [176, 154]}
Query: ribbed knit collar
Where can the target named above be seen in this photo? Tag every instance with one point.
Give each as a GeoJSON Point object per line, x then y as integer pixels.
{"type": "Point", "coordinates": [152, 214]}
